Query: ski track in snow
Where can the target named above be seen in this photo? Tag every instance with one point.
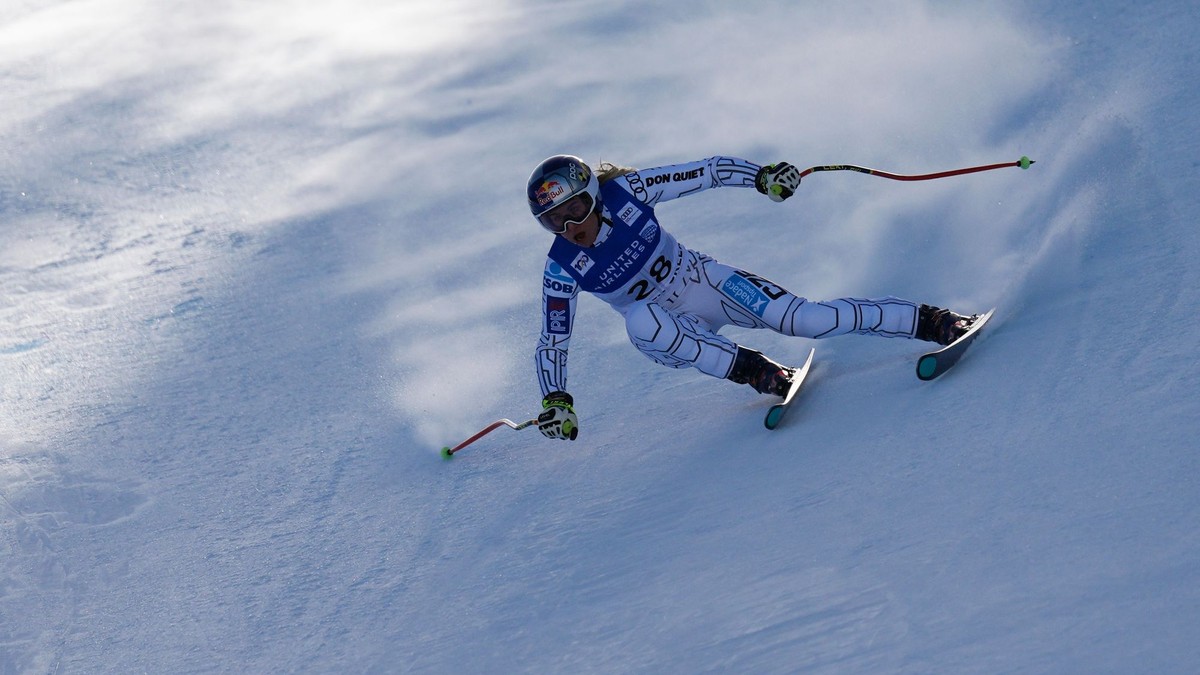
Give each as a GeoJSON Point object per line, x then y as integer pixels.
{"type": "Point", "coordinates": [256, 267]}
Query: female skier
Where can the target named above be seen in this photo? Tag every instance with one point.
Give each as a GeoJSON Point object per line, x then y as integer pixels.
{"type": "Point", "coordinates": [675, 300]}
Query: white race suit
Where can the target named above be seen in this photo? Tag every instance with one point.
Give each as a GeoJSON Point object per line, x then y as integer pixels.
{"type": "Point", "coordinates": [674, 299]}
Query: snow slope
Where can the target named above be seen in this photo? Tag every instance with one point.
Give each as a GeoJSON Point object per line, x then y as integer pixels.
{"type": "Point", "coordinates": [258, 265]}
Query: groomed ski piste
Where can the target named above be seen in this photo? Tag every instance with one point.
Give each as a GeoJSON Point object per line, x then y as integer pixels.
{"type": "Point", "coordinates": [258, 263]}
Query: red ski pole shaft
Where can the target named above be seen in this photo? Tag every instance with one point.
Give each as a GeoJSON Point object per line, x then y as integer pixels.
{"type": "Point", "coordinates": [1024, 163]}
{"type": "Point", "coordinates": [449, 451]}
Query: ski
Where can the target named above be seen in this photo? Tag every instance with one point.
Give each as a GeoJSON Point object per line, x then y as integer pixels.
{"type": "Point", "coordinates": [775, 414]}
{"type": "Point", "coordinates": [933, 364]}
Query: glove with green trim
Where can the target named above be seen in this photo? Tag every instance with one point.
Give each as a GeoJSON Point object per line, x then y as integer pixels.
{"type": "Point", "coordinates": [558, 418]}
{"type": "Point", "coordinates": [777, 181]}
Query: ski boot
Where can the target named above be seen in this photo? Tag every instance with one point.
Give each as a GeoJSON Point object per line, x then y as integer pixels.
{"type": "Point", "coordinates": [766, 376]}
{"type": "Point", "coordinates": [941, 325]}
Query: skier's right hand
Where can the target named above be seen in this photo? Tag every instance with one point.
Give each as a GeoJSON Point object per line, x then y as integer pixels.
{"type": "Point", "coordinates": [558, 419]}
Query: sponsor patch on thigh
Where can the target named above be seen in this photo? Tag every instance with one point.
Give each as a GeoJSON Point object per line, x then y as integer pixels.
{"type": "Point", "coordinates": [740, 290]}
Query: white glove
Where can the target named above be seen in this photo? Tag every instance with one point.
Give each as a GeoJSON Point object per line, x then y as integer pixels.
{"type": "Point", "coordinates": [558, 418]}
{"type": "Point", "coordinates": [777, 181]}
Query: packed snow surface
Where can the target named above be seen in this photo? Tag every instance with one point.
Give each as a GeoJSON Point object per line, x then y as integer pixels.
{"type": "Point", "coordinates": [260, 261]}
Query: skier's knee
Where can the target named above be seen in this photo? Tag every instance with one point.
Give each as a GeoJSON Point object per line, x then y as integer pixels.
{"type": "Point", "coordinates": [650, 328]}
{"type": "Point", "coordinates": [657, 335]}
{"type": "Point", "coordinates": [678, 341]}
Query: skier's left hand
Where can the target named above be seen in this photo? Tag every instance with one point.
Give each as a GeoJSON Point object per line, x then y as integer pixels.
{"type": "Point", "coordinates": [777, 181]}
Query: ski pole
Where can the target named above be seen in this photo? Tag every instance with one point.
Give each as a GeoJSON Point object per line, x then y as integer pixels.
{"type": "Point", "coordinates": [448, 451]}
{"type": "Point", "coordinates": [1024, 163]}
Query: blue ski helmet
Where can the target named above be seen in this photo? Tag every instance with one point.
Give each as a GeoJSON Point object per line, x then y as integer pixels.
{"type": "Point", "coordinates": [557, 181]}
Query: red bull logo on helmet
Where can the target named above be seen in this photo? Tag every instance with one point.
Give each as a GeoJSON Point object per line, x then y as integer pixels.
{"type": "Point", "coordinates": [548, 192]}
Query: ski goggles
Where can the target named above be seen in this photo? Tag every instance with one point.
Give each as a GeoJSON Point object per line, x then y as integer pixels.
{"type": "Point", "coordinates": [574, 210]}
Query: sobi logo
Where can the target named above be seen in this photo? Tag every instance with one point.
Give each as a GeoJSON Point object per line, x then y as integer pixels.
{"type": "Point", "coordinates": [557, 280]}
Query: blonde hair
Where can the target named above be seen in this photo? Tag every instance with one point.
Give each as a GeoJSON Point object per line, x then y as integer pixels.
{"type": "Point", "coordinates": [608, 171]}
